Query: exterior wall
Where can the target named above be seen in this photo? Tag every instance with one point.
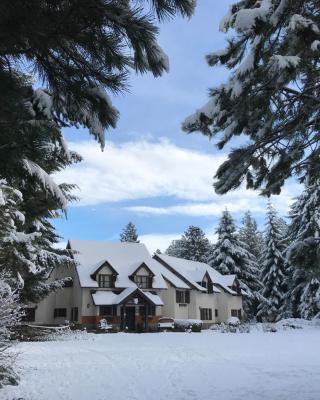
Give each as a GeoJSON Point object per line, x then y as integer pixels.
{"type": "Point", "coordinates": [206, 300]}
{"type": "Point", "coordinates": [63, 298]}
{"type": "Point", "coordinates": [142, 271]}
{"type": "Point", "coordinates": [106, 270]}
{"type": "Point", "coordinates": [223, 302]}
{"type": "Point", "coordinates": [226, 303]}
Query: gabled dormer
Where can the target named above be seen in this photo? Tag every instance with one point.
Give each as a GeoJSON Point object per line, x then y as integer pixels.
{"type": "Point", "coordinates": [143, 276]}
{"type": "Point", "coordinates": [206, 283]}
{"type": "Point", "coordinates": [105, 275]}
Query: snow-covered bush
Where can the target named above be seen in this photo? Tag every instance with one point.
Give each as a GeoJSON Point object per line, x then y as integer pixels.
{"type": "Point", "coordinates": [188, 325]}
{"type": "Point", "coordinates": [10, 315]}
{"type": "Point", "coordinates": [269, 328]}
{"type": "Point", "coordinates": [233, 321]}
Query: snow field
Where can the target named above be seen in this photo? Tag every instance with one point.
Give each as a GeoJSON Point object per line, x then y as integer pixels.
{"type": "Point", "coordinates": [180, 366]}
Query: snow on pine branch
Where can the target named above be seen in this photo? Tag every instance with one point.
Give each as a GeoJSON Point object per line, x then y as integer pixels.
{"type": "Point", "coordinates": [46, 181]}
{"type": "Point", "coordinates": [42, 102]}
{"type": "Point", "coordinates": [245, 20]}
{"type": "Point", "coordinates": [278, 62]}
{"type": "Point", "coordinates": [298, 22]}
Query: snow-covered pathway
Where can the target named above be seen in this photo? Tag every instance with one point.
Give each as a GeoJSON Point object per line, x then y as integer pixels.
{"type": "Point", "coordinates": [180, 366]}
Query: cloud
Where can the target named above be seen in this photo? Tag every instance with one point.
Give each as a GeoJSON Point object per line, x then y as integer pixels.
{"type": "Point", "coordinates": [199, 209]}
{"type": "Point", "coordinates": [236, 202]}
{"type": "Point", "coordinates": [143, 169]}
{"type": "Point", "coordinates": [147, 169]}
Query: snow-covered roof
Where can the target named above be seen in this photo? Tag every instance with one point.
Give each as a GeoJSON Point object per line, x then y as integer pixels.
{"type": "Point", "coordinates": [124, 258]}
{"type": "Point", "coordinates": [194, 271]}
{"type": "Point", "coordinates": [105, 298]}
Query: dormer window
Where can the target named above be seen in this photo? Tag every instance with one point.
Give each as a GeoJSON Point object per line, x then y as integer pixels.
{"type": "Point", "coordinates": [207, 283]}
{"type": "Point", "coordinates": [143, 281]}
{"type": "Point", "coordinates": [204, 284]}
{"type": "Point", "coordinates": [105, 281]}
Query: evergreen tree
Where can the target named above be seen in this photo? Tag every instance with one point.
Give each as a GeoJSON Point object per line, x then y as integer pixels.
{"type": "Point", "coordinates": [271, 96]}
{"type": "Point", "coordinates": [129, 234]}
{"type": "Point", "coordinates": [32, 149]}
{"type": "Point", "coordinates": [303, 256]}
{"type": "Point", "coordinates": [193, 245]}
{"type": "Point", "coordinates": [26, 254]}
{"type": "Point", "coordinates": [250, 235]}
{"type": "Point", "coordinates": [273, 270]}
{"type": "Point", "coordinates": [80, 52]}
{"type": "Point", "coordinates": [230, 256]}
{"type": "Point", "coordinates": [10, 315]}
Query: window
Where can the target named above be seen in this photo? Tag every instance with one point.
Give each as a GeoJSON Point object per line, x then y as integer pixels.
{"type": "Point", "coordinates": [60, 313]}
{"type": "Point", "coordinates": [107, 311]}
{"type": "Point", "coordinates": [143, 282]}
{"type": "Point", "coordinates": [207, 285]}
{"type": "Point", "coordinates": [236, 313]}
{"type": "Point", "coordinates": [216, 313]}
{"type": "Point", "coordinates": [29, 314]}
{"type": "Point", "coordinates": [74, 314]}
{"type": "Point", "coordinates": [210, 287]}
{"type": "Point", "coordinates": [105, 281]}
{"type": "Point", "coordinates": [182, 296]}
{"type": "Point", "coordinates": [150, 309]}
{"type": "Point", "coordinates": [204, 284]}
{"type": "Point", "coordinates": [206, 314]}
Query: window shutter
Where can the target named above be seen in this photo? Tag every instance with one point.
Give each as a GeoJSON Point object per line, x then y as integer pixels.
{"type": "Point", "coordinates": [187, 294]}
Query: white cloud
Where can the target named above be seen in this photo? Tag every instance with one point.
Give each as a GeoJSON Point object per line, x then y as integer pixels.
{"type": "Point", "coordinates": [146, 169]}
{"type": "Point", "coordinates": [135, 170]}
{"type": "Point", "coordinates": [235, 202]}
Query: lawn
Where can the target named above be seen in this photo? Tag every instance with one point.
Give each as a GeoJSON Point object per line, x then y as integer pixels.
{"type": "Point", "coordinates": [208, 365]}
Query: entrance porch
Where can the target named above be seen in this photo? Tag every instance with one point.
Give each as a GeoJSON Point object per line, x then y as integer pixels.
{"type": "Point", "coordinates": [131, 310]}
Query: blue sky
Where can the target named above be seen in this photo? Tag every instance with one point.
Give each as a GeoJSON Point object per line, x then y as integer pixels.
{"type": "Point", "coordinates": [151, 173]}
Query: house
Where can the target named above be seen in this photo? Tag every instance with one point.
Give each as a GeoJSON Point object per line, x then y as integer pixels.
{"type": "Point", "coordinates": [122, 283]}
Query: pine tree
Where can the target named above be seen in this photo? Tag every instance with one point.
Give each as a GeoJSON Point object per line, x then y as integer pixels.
{"type": "Point", "coordinates": [273, 270]}
{"type": "Point", "coordinates": [271, 95]}
{"type": "Point", "coordinates": [251, 236]}
{"type": "Point", "coordinates": [26, 253]}
{"type": "Point", "coordinates": [230, 256]}
{"type": "Point", "coordinates": [10, 315]}
{"type": "Point", "coordinates": [129, 234]}
{"type": "Point", "coordinates": [193, 245]}
{"type": "Point", "coordinates": [80, 53]}
{"type": "Point", "coordinates": [303, 255]}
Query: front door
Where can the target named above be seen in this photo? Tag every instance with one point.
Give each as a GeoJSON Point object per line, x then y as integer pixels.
{"type": "Point", "coordinates": [130, 318]}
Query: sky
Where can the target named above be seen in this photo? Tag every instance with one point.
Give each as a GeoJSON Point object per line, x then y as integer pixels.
{"type": "Point", "coordinates": [150, 172]}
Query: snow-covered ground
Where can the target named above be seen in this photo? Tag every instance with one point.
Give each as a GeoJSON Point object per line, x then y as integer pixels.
{"type": "Point", "coordinates": [208, 365]}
